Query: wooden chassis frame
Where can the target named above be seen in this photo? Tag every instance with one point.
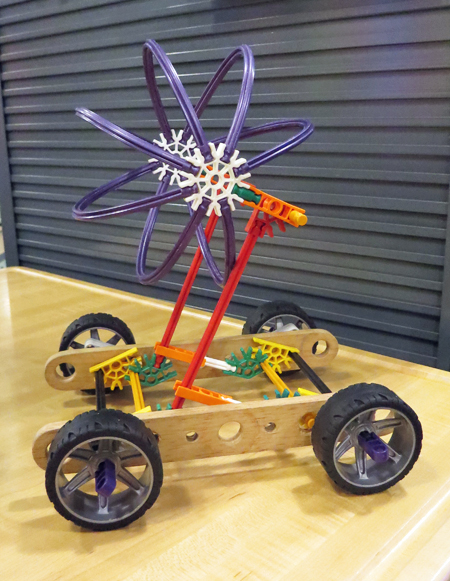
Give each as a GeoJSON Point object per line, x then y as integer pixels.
{"type": "Point", "coordinates": [172, 427]}
{"type": "Point", "coordinates": [220, 348]}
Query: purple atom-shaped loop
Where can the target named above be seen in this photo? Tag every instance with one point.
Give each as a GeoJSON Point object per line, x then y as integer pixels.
{"type": "Point", "coordinates": [164, 158]}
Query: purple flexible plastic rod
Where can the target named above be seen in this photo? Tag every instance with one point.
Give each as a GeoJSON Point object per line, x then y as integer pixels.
{"type": "Point", "coordinates": [135, 141]}
{"type": "Point", "coordinates": [174, 254]}
{"type": "Point", "coordinates": [152, 48]}
{"type": "Point", "coordinates": [230, 246]}
{"type": "Point", "coordinates": [281, 125]}
{"type": "Point", "coordinates": [244, 98]}
{"type": "Point", "coordinates": [79, 212]}
{"type": "Point", "coordinates": [194, 127]}
{"type": "Point", "coordinates": [237, 124]}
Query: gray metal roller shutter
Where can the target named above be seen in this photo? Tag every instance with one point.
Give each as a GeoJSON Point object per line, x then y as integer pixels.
{"type": "Point", "coordinates": [374, 178]}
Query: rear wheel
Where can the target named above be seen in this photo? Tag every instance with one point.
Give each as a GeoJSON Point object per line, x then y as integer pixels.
{"type": "Point", "coordinates": [104, 470]}
{"type": "Point", "coordinates": [94, 330]}
{"type": "Point", "coordinates": [278, 316]}
{"type": "Point", "coordinates": [366, 438]}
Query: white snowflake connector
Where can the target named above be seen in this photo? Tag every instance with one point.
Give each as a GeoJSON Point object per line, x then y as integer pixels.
{"type": "Point", "coordinates": [215, 179]}
{"type": "Point", "coordinates": [176, 146]}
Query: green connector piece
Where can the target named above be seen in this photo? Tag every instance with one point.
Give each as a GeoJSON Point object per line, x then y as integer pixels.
{"type": "Point", "coordinates": [248, 366]}
{"type": "Point", "coordinates": [277, 393]}
{"type": "Point", "coordinates": [285, 393]}
{"type": "Point", "coordinates": [158, 407]}
{"type": "Point", "coordinates": [169, 406]}
{"type": "Point", "coordinates": [296, 394]}
{"type": "Point", "coordinates": [150, 375]}
{"type": "Point", "coordinates": [246, 194]}
{"type": "Point", "coordinates": [265, 396]}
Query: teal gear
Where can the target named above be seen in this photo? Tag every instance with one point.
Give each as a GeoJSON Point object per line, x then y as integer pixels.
{"type": "Point", "coordinates": [149, 375]}
{"type": "Point", "coordinates": [284, 394]}
{"type": "Point", "coordinates": [248, 366]}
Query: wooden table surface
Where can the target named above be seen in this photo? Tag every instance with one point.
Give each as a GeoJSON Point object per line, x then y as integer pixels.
{"type": "Point", "coordinates": [258, 517]}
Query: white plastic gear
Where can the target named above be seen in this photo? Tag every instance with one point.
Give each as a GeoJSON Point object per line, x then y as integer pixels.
{"type": "Point", "coordinates": [176, 146]}
{"type": "Point", "coordinates": [218, 171]}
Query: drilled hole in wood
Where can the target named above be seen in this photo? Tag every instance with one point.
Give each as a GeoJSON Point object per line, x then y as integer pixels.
{"type": "Point", "coordinates": [69, 370]}
{"type": "Point", "coordinates": [229, 431]}
{"type": "Point", "coordinates": [270, 427]}
{"type": "Point", "coordinates": [191, 436]}
{"type": "Point", "coordinates": [320, 347]}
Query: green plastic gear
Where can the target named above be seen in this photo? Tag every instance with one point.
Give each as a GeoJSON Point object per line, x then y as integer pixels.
{"type": "Point", "coordinates": [149, 375]}
{"type": "Point", "coordinates": [248, 366]}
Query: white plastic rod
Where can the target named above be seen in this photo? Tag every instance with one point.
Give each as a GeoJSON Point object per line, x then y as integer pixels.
{"type": "Point", "coordinates": [218, 364]}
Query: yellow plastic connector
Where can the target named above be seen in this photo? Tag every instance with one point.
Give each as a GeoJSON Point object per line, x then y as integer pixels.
{"type": "Point", "coordinates": [115, 369]}
{"type": "Point", "coordinates": [136, 388]}
{"type": "Point", "coordinates": [277, 354]}
{"type": "Point", "coordinates": [275, 379]}
{"type": "Point", "coordinates": [143, 410]}
{"type": "Point", "coordinates": [302, 391]}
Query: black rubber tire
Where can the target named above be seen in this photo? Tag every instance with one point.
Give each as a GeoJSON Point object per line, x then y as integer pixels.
{"type": "Point", "coordinates": [91, 321]}
{"type": "Point", "coordinates": [269, 310]}
{"type": "Point", "coordinates": [339, 410]}
{"type": "Point", "coordinates": [95, 424]}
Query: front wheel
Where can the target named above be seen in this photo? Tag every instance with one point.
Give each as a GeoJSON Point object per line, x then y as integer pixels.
{"type": "Point", "coordinates": [366, 438]}
{"type": "Point", "coordinates": [104, 470]}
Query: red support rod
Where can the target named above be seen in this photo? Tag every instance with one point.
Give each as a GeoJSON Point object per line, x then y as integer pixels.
{"type": "Point", "coordinates": [221, 307]}
{"type": "Point", "coordinates": [187, 285]}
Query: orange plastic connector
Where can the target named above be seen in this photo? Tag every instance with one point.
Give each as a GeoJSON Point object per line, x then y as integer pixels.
{"type": "Point", "coordinates": [277, 208]}
{"type": "Point", "coordinates": [274, 206]}
{"type": "Point", "coordinates": [176, 353]}
{"type": "Point", "coordinates": [202, 395]}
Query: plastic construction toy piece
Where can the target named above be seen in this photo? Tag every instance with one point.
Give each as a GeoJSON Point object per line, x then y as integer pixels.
{"type": "Point", "coordinates": [218, 364]}
{"type": "Point", "coordinates": [136, 388]}
{"type": "Point", "coordinates": [374, 446]}
{"type": "Point", "coordinates": [149, 374]}
{"type": "Point", "coordinates": [187, 356]}
{"type": "Point", "coordinates": [210, 174]}
{"type": "Point", "coordinates": [175, 353]}
{"type": "Point", "coordinates": [215, 180]}
{"type": "Point", "coordinates": [301, 391]}
{"type": "Point", "coordinates": [307, 421]}
{"type": "Point", "coordinates": [277, 354]}
{"type": "Point", "coordinates": [147, 408]}
{"type": "Point", "coordinates": [202, 395]}
{"type": "Point", "coordinates": [105, 478]}
{"type": "Point", "coordinates": [115, 369]}
{"type": "Point", "coordinates": [174, 145]}
{"type": "Point", "coordinates": [272, 206]}
{"type": "Point", "coordinates": [285, 393]}
{"type": "Point", "coordinates": [247, 367]}
{"type": "Point", "coordinates": [283, 390]}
